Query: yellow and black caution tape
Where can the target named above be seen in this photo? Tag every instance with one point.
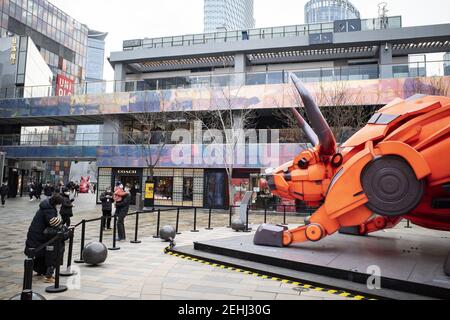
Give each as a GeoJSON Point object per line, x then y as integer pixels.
{"type": "Point", "coordinates": [340, 293]}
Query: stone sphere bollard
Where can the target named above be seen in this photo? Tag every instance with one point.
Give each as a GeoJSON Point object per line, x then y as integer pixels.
{"type": "Point", "coordinates": [95, 253]}
{"type": "Point", "coordinates": [167, 233]}
{"type": "Point", "coordinates": [237, 224]}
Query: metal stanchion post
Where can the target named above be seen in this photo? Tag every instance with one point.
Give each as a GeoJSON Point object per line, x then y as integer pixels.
{"type": "Point", "coordinates": [102, 227]}
{"type": "Point", "coordinates": [230, 217]}
{"type": "Point", "coordinates": [265, 211]}
{"type": "Point", "coordinates": [114, 248]}
{"type": "Point", "coordinates": [246, 221]}
{"type": "Point", "coordinates": [178, 221]}
{"type": "Point", "coordinates": [27, 293]}
{"type": "Point", "coordinates": [408, 224]}
{"type": "Point", "coordinates": [83, 235]}
{"type": "Point", "coordinates": [136, 228]}
{"type": "Point", "coordinates": [195, 221]}
{"type": "Point", "coordinates": [158, 224]}
{"type": "Point", "coordinates": [69, 272]}
{"type": "Point", "coordinates": [209, 220]}
{"type": "Point", "coordinates": [57, 288]}
{"type": "Point", "coordinates": [284, 215]}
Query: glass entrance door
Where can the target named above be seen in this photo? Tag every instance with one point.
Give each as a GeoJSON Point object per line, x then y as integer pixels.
{"type": "Point", "coordinates": [216, 190]}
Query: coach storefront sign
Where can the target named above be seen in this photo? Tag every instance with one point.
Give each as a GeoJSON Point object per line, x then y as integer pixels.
{"type": "Point", "coordinates": [126, 172]}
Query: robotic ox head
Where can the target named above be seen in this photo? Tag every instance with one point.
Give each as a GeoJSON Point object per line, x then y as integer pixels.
{"type": "Point", "coordinates": [308, 177]}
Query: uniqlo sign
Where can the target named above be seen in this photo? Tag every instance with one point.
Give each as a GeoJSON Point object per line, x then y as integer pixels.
{"type": "Point", "coordinates": [64, 86]}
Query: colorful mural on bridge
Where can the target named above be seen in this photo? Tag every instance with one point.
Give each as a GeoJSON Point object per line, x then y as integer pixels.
{"type": "Point", "coordinates": [172, 156]}
{"type": "Point", "coordinates": [360, 92]}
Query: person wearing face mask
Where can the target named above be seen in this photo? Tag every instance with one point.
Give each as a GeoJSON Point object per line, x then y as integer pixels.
{"type": "Point", "coordinates": [66, 207]}
{"type": "Point", "coordinates": [107, 201]}
{"type": "Point", "coordinates": [48, 190]}
{"type": "Point", "coordinates": [38, 234]}
{"type": "Point", "coordinates": [122, 208]}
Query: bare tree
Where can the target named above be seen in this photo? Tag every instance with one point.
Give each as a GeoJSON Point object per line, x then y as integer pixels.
{"type": "Point", "coordinates": [342, 108]}
{"type": "Point", "coordinates": [229, 119]}
{"type": "Point", "coordinates": [151, 133]}
{"type": "Point", "coordinates": [439, 86]}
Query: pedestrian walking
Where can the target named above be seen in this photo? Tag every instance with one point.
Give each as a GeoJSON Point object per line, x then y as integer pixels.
{"type": "Point", "coordinates": [66, 211]}
{"type": "Point", "coordinates": [4, 191]}
{"type": "Point", "coordinates": [48, 190]}
{"type": "Point", "coordinates": [107, 201]}
{"type": "Point", "coordinates": [39, 190]}
{"type": "Point", "coordinates": [122, 208]}
{"type": "Point", "coordinates": [32, 190]}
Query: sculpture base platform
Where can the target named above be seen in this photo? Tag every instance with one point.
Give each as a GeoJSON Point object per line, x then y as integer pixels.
{"type": "Point", "coordinates": [411, 265]}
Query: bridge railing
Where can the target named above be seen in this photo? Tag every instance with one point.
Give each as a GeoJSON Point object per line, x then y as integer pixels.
{"type": "Point", "coordinates": [310, 75]}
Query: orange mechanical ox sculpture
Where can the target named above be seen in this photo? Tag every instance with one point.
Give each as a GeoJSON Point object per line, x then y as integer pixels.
{"type": "Point", "coordinates": [397, 167]}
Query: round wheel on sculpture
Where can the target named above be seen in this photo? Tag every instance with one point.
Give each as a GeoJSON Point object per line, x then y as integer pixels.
{"type": "Point", "coordinates": [391, 186]}
{"type": "Point", "coordinates": [167, 233]}
{"type": "Point", "coordinates": [95, 253]}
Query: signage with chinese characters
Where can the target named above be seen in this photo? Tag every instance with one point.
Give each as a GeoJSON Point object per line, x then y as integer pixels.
{"type": "Point", "coordinates": [13, 55]}
{"type": "Point", "coordinates": [321, 38]}
{"type": "Point", "coordinates": [351, 25]}
{"type": "Point", "coordinates": [64, 86]}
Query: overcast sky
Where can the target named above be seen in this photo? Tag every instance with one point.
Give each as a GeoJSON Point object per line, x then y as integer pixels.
{"type": "Point", "coordinates": [133, 19]}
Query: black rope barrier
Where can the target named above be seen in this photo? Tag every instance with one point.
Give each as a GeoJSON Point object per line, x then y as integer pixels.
{"type": "Point", "coordinates": [114, 247]}
{"type": "Point", "coordinates": [57, 288]}
{"type": "Point", "coordinates": [195, 221]}
{"type": "Point", "coordinates": [209, 220]}
{"type": "Point", "coordinates": [156, 236]}
{"type": "Point", "coordinates": [178, 222]}
{"type": "Point", "coordinates": [83, 235]}
{"type": "Point", "coordinates": [69, 272]}
{"type": "Point", "coordinates": [136, 230]}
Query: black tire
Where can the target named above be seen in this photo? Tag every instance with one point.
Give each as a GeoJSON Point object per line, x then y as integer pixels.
{"type": "Point", "coordinates": [391, 186]}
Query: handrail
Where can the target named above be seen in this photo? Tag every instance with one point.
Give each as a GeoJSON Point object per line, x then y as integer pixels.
{"type": "Point", "coordinates": [217, 79]}
{"type": "Point", "coordinates": [255, 33]}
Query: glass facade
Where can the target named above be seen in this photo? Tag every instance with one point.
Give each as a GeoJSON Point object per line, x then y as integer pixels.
{"type": "Point", "coordinates": [229, 15]}
{"type": "Point", "coordinates": [95, 55]}
{"type": "Point", "coordinates": [61, 39]}
{"type": "Point", "coordinates": [319, 11]}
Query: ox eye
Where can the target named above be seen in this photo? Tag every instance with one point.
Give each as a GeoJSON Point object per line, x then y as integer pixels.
{"type": "Point", "coordinates": [303, 163]}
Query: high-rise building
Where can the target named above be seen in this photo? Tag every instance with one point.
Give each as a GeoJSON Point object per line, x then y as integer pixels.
{"type": "Point", "coordinates": [229, 15]}
{"type": "Point", "coordinates": [62, 42]}
{"type": "Point", "coordinates": [321, 11]}
{"type": "Point", "coordinates": [95, 55]}
{"type": "Point", "coordinates": [61, 39]}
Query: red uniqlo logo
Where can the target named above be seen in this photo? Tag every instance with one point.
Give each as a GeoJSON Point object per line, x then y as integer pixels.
{"type": "Point", "coordinates": [64, 86]}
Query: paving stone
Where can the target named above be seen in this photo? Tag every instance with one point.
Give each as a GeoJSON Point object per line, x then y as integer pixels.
{"type": "Point", "coordinates": [135, 271]}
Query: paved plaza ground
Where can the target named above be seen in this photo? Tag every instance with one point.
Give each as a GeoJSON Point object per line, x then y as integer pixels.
{"type": "Point", "coordinates": [141, 271]}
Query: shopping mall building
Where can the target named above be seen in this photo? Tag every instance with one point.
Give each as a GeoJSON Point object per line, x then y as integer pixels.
{"type": "Point", "coordinates": [356, 64]}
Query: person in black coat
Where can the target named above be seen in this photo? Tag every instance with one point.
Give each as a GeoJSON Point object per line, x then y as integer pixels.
{"type": "Point", "coordinates": [42, 229]}
{"type": "Point", "coordinates": [4, 191]}
{"type": "Point", "coordinates": [32, 190]}
{"type": "Point", "coordinates": [48, 190]}
{"type": "Point", "coordinates": [66, 207]}
{"type": "Point", "coordinates": [122, 208]}
{"type": "Point", "coordinates": [39, 191]}
{"type": "Point", "coordinates": [107, 201]}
